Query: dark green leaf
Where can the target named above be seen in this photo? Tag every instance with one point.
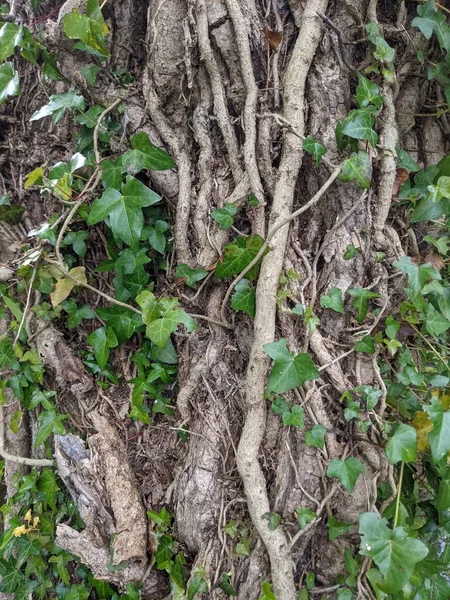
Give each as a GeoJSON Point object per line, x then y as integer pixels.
{"type": "Point", "coordinates": [237, 255]}
{"type": "Point", "coordinates": [123, 321]}
{"type": "Point", "coordinates": [274, 520]}
{"type": "Point", "coordinates": [90, 73]}
{"type": "Point", "coordinates": [357, 168]}
{"type": "Point", "coordinates": [50, 422]}
{"type": "Point", "coordinates": [191, 275]}
{"type": "Point", "coordinates": [145, 156]}
{"type": "Point", "coordinates": [58, 105]}
{"type": "Point", "coordinates": [304, 516]}
{"type": "Point", "coordinates": [333, 300]}
{"type": "Point", "coordinates": [359, 125]}
{"type": "Point", "coordinates": [244, 297]}
{"type": "Point", "coordinates": [225, 216]}
{"type": "Point", "coordinates": [295, 417]}
{"type": "Point", "coordinates": [402, 446]}
{"type": "Point", "coordinates": [347, 471]}
{"type": "Point", "coordinates": [361, 301]}
{"type": "Point", "coordinates": [439, 436]}
{"type": "Point", "coordinates": [102, 340]}
{"type": "Point", "coordinates": [366, 345]}
{"type": "Point", "coordinates": [351, 252]}
{"type": "Point", "coordinates": [367, 93]}
{"type": "Point", "coordinates": [418, 275]}
{"type": "Point", "coordinates": [337, 528]}
{"type": "Point", "coordinates": [10, 36]}
{"type": "Point", "coordinates": [315, 437]}
{"type": "Point", "coordinates": [9, 81]}
{"type": "Point", "coordinates": [289, 371]}
{"type": "Point", "coordinates": [311, 146]}
{"type": "Point", "coordinates": [112, 173]}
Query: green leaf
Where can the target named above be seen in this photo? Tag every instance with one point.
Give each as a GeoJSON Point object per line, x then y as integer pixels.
{"type": "Point", "coordinates": [15, 421]}
{"type": "Point", "coordinates": [191, 275]}
{"type": "Point", "coordinates": [432, 21]}
{"type": "Point", "coordinates": [225, 216]}
{"type": "Point", "coordinates": [367, 93]}
{"type": "Point", "coordinates": [289, 371]}
{"type": "Point", "coordinates": [333, 300]}
{"type": "Point", "coordinates": [385, 54]}
{"type": "Point", "coordinates": [50, 422]}
{"type": "Point", "coordinates": [402, 446]}
{"type": "Point", "coordinates": [7, 358]}
{"type": "Point", "coordinates": [337, 528]}
{"type": "Point", "coordinates": [443, 496]}
{"type": "Point", "coordinates": [123, 321]}
{"type": "Point", "coordinates": [139, 410]}
{"type": "Point", "coordinates": [304, 516]}
{"type": "Point", "coordinates": [244, 297]}
{"type": "Point", "coordinates": [404, 161]}
{"type": "Point", "coordinates": [361, 301]}
{"type": "Point", "coordinates": [418, 275]}
{"type": "Point", "coordinates": [10, 36]}
{"type": "Point", "coordinates": [315, 437]}
{"type": "Point", "coordinates": [58, 104]}
{"type": "Point", "coordinates": [157, 237]}
{"type": "Point", "coordinates": [266, 592]}
{"type": "Point", "coordinates": [90, 29]}
{"type": "Point", "coordinates": [102, 340]}
{"type": "Point", "coordinates": [237, 255]}
{"type": "Point", "coordinates": [357, 168]}
{"type": "Point", "coordinates": [347, 471]}
{"type": "Point", "coordinates": [366, 344]}
{"type": "Point", "coordinates": [145, 156]}
{"type": "Point", "coordinates": [295, 417]}
{"type": "Point", "coordinates": [439, 436]}
{"type": "Point", "coordinates": [359, 125]}
{"type": "Point", "coordinates": [394, 553]}
{"type": "Point", "coordinates": [112, 173]}
{"type": "Point", "coordinates": [311, 146]}
{"type": "Point", "coordinates": [274, 520]}
{"type": "Point", "coordinates": [9, 81]}
{"type": "Point", "coordinates": [351, 252]}
{"type": "Point", "coordinates": [280, 406]}
{"type": "Point", "coordinates": [352, 411]}
{"type": "Point", "coordinates": [225, 585]}
{"type": "Point", "coordinates": [13, 307]}
{"type": "Point", "coordinates": [435, 323]}
{"type": "Point", "coordinates": [90, 73]}
{"type": "Point", "coordinates": [47, 485]}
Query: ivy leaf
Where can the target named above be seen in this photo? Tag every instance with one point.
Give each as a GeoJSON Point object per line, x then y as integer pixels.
{"type": "Point", "coordinates": [394, 553]}
{"type": "Point", "coordinates": [347, 471]}
{"type": "Point", "coordinates": [418, 275]}
{"type": "Point", "coordinates": [367, 93]}
{"type": "Point", "coordinates": [156, 235]}
{"type": "Point", "coordinates": [90, 28]}
{"type": "Point", "coordinates": [337, 528]}
{"type": "Point", "coordinates": [102, 340]}
{"type": "Point", "coordinates": [90, 73]}
{"type": "Point", "coordinates": [359, 125]}
{"type": "Point", "coordinates": [435, 323]}
{"type": "Point", "coordinates": [9, 81]}
{"type": "Point", "coordinates": [58, 104]}
{"type": "Point", "coordinates": [443, 496]}
{"type": "Point", "coordinates": [402, 445]}
{"type": "Point", "coordinates": [294, 417]}
{"type": "Point", "coordinates": [244, 298]}
{"type": "Point", "coordinates": [311, 146]}
{"type": "Point", "coordinates": [139, 410]}
{"type": "Point", "coordinates": [304, 516]}
{"type": "Point", "coordinates": [112, 173]}
{"type": "Point", "coordinates": [361, 301]}
{"type": "Point", "coordinates": [315, 437]}
{"type": "Point", "coordinates": [64, 286]}
{"type": "Point", "coordinates": [274, 520]}
{"type": "Point", "coordinates": [289, 371]}
{"type": "Point", "coordinates": [145, 156]}
{"type": "Point", "coordinates": [225, 216]}
{"type": "Point", "coordinates": [123, 321]}
{"type": "Point", "coordinates": [351, 252]}
{"type": "Point", "coordinates": [50, 422]}
{"type": "Point", "coordinates": [431, 21]}
{"type": "Point", "coordinates": [280, 406]}
{"type": "Point", "coordinates": [10, 36]}
{"type": "Point", "coordinates": [439, 436]}
{"type": "Point", "coordinates": [357, 168]}
{"type": "Point", "coordinates": [191, 276]}
{"type": "Point", "coordinates": [159, 329]}
{"type": "Point", "coordinates": [366, 344]}
{"type": "Point", "coordinates": [333, 300]}
{"type": "Point", "coordinates": [237, 255]}
{"type": "Point", "coordinates": [47, 485]}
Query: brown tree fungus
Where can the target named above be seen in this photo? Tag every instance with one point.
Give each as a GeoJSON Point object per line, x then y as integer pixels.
{"type": "Point", "coordinates": [264, 326]}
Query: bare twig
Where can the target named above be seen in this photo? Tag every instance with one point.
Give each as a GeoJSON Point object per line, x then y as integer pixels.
{"type": "Point", "coordinates": [27, 305]}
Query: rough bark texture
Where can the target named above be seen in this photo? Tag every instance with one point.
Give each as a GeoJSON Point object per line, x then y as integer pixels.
{"type": "Point", "coordinates": [204, 79]}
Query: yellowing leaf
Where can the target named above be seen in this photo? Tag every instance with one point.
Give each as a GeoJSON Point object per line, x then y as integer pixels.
{"type": "Point", "coordinates": [35, 522]}
{"type": "Point", "coordinates": [33, 177]}
{"type": "Point", "coordinates": [423, 426]}
{"type": "Point", "coordinates": [18, 531]}
{"type": "Point", "coordinates": [27, 517]}
{"type": "Point", "coordinates": [61, 291]}
{"type": "Point", "coordinates": [79, 274]}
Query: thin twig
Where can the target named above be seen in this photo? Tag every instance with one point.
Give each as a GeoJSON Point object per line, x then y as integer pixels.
{"type": "Point", "coordinates": [27, 305]}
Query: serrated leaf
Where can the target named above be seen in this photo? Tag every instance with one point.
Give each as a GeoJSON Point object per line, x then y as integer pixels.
{"type": "Point", "coordinates": [58, 104]}
{"type": "Point", "coordinates": [418, 275]}
{"type": "Point", "coordinates": [439, 436]}
{"type": "Point", "coordinates": [304, 516]}
{"type": "Point", "coordinates": [347, 471]}
{"type": "Point", "coordinates": [333, 300]}
{"type": "Point", "coordinates": [237, 255]}
{"type": "Point", "coordinates": [9, 81]}
{"type": "Point", "coordinates": [315, 437]}
{"type": "Point", "coordinates": [357, 168]}
{"type": "Point", "coordinates": [289, 371]}
{"type": "Point", "coordinates": [311, 146]}
{"type": "Point", "coordinates": [402, 445]}
{"type": "Point", "coordinates": [337, 528]}
{"type": "Point", "coordinates": [394, 553]}
{"type": "Point", "coordinates": [191, 276]}
{"type": "Point", "coordinates": [244, 297]}
{"type": "Point", "coordinates": [145, 156]}
{"type": "Point", "coordinates": [102, 340]}
{"type": "Point", "coordinates": [225, 216]}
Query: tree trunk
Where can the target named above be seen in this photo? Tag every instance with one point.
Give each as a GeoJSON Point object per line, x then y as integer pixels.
{"type": "Point", "coordinates": [230, 89]}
